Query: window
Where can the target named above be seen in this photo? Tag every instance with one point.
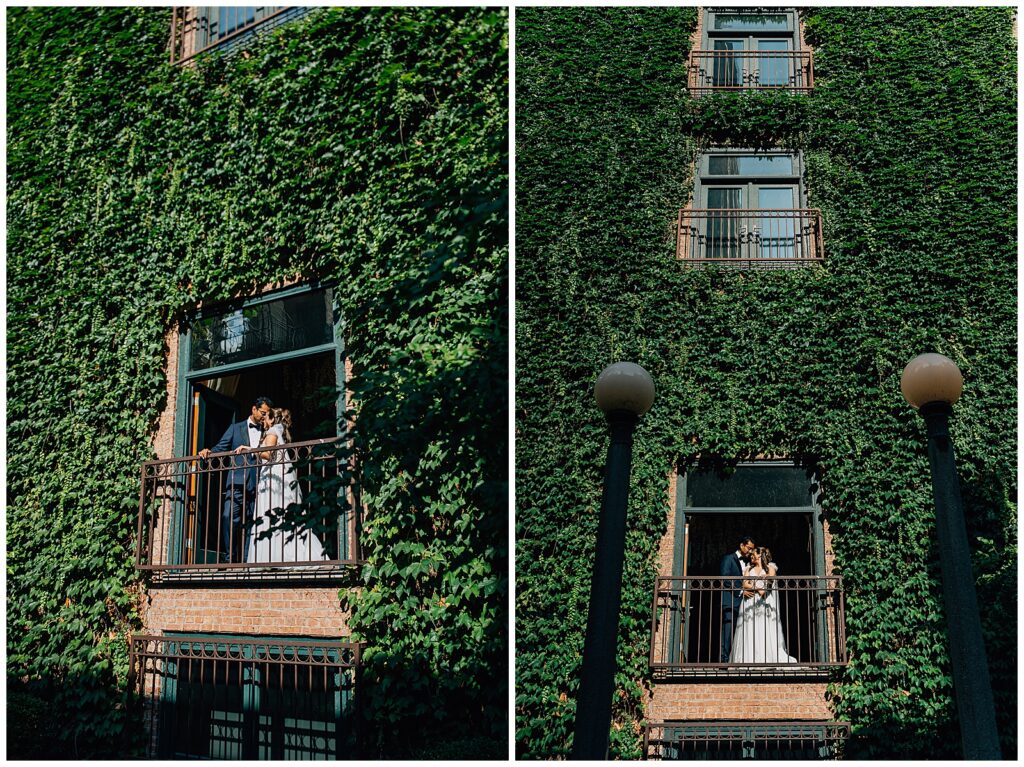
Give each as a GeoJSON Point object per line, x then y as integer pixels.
{"type": "Point", "coordinates": [218, 697]}
{"type": "Point", "coordinates": [196, 29]}
{"type": "Point", "coordinates": [775, 502]}
{"type": "Point", "coordinates": [286, 346]}
{"type": "Point", "coordinates": [727, 740]}
{"type": "Point", "coordinates": [750, 208]}
{"type": "Point", "coordinates": [742, 48]}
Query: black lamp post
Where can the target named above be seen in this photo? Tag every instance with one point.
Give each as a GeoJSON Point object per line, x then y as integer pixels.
{"type": "Point", "coordinates": [624, 392]}
{"type": "Point", "coordinates": [932, 383]}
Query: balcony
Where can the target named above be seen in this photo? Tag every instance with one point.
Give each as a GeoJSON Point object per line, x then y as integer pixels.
{"type": "Point", "coordinates": [203, 697]}
{"type": "Point", "coordinates": [196, 30]}
{"type": "Point", "coordinates": [300, 514]}
{"type": "Point", "coordinates": [686, 629]}
{"type": "Point", "coordinates": [756, 239]}
{"type": "Point", "coordinates": [736, 70]}
{"type": "Point", "coordinates": [745, 740]}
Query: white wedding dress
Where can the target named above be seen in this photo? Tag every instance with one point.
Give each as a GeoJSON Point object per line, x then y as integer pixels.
{"type": "Point", "coordinates": [276, 489]}
{"type": "Point", "coordinates": [758, 636]}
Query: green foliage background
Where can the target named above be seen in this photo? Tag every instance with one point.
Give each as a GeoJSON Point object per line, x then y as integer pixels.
{"type": "Point", "coordinates": [910, 145]}
{"type": "Point", "coordinates": [362, 146]}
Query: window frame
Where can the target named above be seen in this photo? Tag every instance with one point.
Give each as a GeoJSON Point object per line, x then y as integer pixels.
{"type": "Point", "coordinates": [704, 179]}
{"type": "Point", "coordinates": [740, 236]}
{"type": "Point", "coordinates": [680, 542]}
{"type": "Point", "coordinates": [814, 509]}
{"type": "Point", "coordinates": [187, 376]}
{"type": "Point", "coordinates": [791, 34]}
{"type": "Point", "coordinates": [741, 63]}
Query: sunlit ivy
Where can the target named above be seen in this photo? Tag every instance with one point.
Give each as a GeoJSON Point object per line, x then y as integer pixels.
{"type": "Point", "coordinates": [910, 144]}
{"type": "Point", "coordinates": [364, 147]}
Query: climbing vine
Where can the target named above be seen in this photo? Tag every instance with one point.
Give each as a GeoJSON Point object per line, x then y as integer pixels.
{"type": "Point", "coordinates": [909, 141]}
{"type": "Point", "coordinates": [362, 147]}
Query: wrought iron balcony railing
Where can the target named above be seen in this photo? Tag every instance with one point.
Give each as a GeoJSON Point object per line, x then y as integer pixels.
{"type": "Point", "coordinates": [295, 509]}
{"type": "Point", "coordinates": [241, 698]}
{"type": "Point", "coordinates": [760, 239]}
{"type": "Point", "coordinates": [796, 628]}
{"type": "Point", "coordinates": [725, 71]}
{"type": "Point", "coordinates": [705, 740]}
{"type": "Point", "coordinates": [197, 29]}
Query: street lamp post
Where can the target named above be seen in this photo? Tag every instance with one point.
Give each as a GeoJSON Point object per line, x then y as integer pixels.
{"type": "Point", "coordinates": [624, 392]}
{"type": "Point", "coordinates": [932, 383]}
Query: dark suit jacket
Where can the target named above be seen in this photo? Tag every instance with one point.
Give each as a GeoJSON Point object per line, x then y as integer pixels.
{"type": "Point", "coordinates": [731, 566]}
{"type": "Point", "coordinates": [244, 472]}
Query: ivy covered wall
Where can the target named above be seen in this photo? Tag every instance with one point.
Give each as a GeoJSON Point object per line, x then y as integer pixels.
{"type": "Point", "coordinates": [363, 147]}
{"type": "Point", "coordinates": [910, 146]}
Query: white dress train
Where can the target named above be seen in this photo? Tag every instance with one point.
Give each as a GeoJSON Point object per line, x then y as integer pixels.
{"type": "Point", "coordinates": [276, 489]}
{"type": "Point", "coordinates": [758, 636]}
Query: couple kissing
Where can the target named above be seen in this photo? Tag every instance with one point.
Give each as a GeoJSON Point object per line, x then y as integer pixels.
{"type": "Point", "coordinates": [751, 623]}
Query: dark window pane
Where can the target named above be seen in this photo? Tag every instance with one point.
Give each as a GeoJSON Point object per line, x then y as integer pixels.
{"type": "Point", "coordinates": [725, 197]}
{"type": "Point", "coordinates": [750, 165]}
{"type": "Point", "coordinates": [235, 17]}
{"type": "Point", "coordinates": [288, 324]}
{"type": "Point", "coordinates": [724, 229]}
{"type": "Point", "coordinates": [749, 487]}
{"type": "Point", "coordinates": [752, 21]}
{"type": "Point", "coordinates": [728, 67]}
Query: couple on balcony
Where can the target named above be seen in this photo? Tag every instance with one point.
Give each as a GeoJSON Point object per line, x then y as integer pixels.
{"type": "Point", "coordinates": [754, 608]}
{"type": "Point", "coordinates": [260, 487]}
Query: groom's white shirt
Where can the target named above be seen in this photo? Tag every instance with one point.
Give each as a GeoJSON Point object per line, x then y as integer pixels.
{"type": "Point", "coordinates": [254, 434]}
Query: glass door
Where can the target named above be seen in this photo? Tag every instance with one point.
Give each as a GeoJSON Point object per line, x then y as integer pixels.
{"type": "Point", "coordinates": [749, 47]}
{"type": "Point", "coordinates": [212, 414]}
{"type": "Point", "coordinates": [776, 231]}
{"type": "Point", "coordinates": [725, 232]}
{"type": "Point", "coordinates": [774, 70]}
{"type": "Point", "coordinates": [727, 64]}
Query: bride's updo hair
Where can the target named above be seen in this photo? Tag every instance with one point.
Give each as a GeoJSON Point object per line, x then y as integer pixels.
{"type": "Point", "coordinates": [283, 416]}
{"type": "Point", "coordinates": [766, 556]}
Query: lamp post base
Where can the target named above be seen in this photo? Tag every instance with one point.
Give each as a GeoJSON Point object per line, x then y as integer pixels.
{"type": "Point", "coordinates": [973, 690]}
{"type": "Point", "coordinates": [597, 677]}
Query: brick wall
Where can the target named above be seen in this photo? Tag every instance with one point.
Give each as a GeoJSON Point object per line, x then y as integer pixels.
{"type": "Point", "coordinates": [747, 699]}
{"type": "Point", "coordinates": [163, 440]}
{"type": "Point", "coordinates": [286, 610]}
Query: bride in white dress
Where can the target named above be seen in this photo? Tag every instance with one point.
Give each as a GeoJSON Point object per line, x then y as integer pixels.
{"type": "Point", "coordinates": [758, 637]}
{"type": "Point", "coordinates": [276, 489]}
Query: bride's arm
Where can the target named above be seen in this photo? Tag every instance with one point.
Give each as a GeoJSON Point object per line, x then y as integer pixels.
{"type": "Point", "coordinates": [268, 441]}
{"type": "Point", "coordinates": [772, 569]}
{"type": "Point", "coordinates": [747, 586]}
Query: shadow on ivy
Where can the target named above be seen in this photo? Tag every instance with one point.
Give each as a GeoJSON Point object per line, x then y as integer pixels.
{"type": "Point", "coordinates": [74, 717]}
{"type": "Point", "coordinates": [433, 716]}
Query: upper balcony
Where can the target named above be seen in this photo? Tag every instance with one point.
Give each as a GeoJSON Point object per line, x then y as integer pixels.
{"type": "Point", "coordinates": [761, 239]}
{"type": "Point", "coordinates": [797, 631]}
{"type": "Point", "coordinates": [279, 512]}
{"type": "Point", "coordinates": [197, 29]}
{"type": "Point", "coordinates": [730, 71]}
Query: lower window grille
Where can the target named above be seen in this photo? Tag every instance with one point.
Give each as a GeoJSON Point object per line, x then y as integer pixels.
{"type": "Point", "coordinates": [728, 740]}
{"type": "Point", "coordinates": [231, 698]}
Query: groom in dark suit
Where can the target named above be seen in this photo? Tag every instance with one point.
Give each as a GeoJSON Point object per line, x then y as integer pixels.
{"type": "Point", "coordinates": [240, 485]}
{"type": "Point", "coordinates": [732, 593]}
